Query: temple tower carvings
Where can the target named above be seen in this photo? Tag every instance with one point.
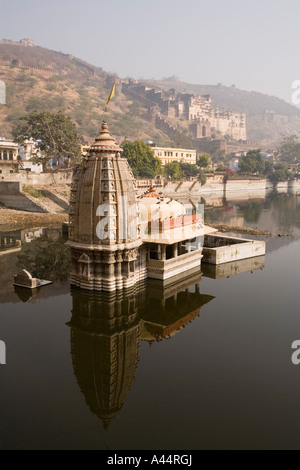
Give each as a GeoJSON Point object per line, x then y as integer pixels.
{"type": "Point", "coordinates": [104, 230]}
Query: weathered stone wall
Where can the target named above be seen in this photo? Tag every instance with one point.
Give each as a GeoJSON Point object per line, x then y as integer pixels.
{"type": "Point", "coordinates": [60, 177]}
{"type": "Point", "coordinates": [7, 188]}
{"type": "Point", "coordinates": [233, 125]}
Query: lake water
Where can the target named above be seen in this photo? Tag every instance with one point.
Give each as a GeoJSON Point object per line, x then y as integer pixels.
{"type": "Point", "coordinates": [203, 364]}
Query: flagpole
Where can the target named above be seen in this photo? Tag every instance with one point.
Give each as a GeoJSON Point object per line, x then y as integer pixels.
{"type": "Point", "coordinates": [99, 127]}
{"type": "Point", "coordinates": [111, 95]}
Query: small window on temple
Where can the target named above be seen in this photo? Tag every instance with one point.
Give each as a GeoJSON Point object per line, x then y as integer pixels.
{"type": "Point", "coordinates": [11, 155]}
{"type": "Point", "coordinates": [155, 251]}
{"type": "Point", "coordinates": [5, 155]}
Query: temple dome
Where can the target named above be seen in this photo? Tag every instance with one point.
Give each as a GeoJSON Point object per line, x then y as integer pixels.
{"type": "Point", "coordinates": [160, 208]}
{"type": "Point", "coordinates": [105, 141]}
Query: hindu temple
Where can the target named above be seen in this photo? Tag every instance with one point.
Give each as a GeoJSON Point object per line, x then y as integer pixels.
{"type": "Point", "coordinates": [118, 239]}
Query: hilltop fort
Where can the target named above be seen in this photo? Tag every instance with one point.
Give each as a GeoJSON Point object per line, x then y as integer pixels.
{"type": "Point", "coordinates": [204, 121]}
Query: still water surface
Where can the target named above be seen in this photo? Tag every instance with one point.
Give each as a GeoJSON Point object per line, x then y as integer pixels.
{"type": "Point", "coordinates": [204, 364]}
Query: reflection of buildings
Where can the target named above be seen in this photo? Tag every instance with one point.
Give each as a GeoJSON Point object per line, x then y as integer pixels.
{"type": "Point", "coordinates": [12, 241]}
{"type": "Point", "coordinates": [218, 271]}
{"type": "Point", "coordinates": [106, 331]}
{"type": "Point", "coordinates": [105, 347]}
{"type": "Point", "coordinates": [9, 245]}
{"type": "Point", "coordinates": [234, 210]}
{"type": "Point", "coordinates": [17, 238]}
{"type": "Point", "coordinates": [168, 310]}
{"type": "Point", "coordinates": [16, 243]}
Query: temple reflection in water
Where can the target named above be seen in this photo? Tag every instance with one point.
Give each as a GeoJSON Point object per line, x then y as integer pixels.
{"type": "Point", "coordinates": [107, 330]}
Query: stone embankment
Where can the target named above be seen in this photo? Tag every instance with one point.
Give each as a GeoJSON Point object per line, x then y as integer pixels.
{"type": "Point", "coordinates": [35, 198]}
{"type": "Point", "coordinates": [216, 184]}
{"type": "Point", "coordinates": [28, 205]}
{"type": "Point", "coordinates": [30, 178]}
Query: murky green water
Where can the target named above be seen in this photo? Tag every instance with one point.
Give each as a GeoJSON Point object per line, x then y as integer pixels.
{"type": "Point", "coordinates": [203, 364]}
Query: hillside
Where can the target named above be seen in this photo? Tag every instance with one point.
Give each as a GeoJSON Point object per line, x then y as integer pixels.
{"type": "Point", "coordinates": [41, 79]}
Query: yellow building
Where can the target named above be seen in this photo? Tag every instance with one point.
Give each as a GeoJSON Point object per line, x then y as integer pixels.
{"type": "Point", "coordinates": [168, 155]}
{"type": "Point", "coordinates": [8, 156]}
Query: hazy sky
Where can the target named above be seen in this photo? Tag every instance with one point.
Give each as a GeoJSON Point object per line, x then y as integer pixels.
{"type": "Point", "coordinates": [252, 44]}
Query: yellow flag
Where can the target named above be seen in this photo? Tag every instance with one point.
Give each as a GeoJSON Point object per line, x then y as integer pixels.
{"type": "Point", "coordinates": [112, 93]}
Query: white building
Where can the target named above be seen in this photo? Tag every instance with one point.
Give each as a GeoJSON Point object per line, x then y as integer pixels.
{"type": "Point", "coordinates": [26, 151]}
{"type": "Point", "coordinates": [168, 155]}
{"type": "Point", "coordinates": [8, 156]}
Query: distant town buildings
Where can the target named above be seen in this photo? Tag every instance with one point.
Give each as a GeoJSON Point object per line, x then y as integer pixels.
{"type": "Point", "coordinates": [168, 155]}
{"type": "Point", "coordinates": [8, 156]}
{"type": "Point", "coordinates": [26, 151]}
{"type": "Point", "coordinates": [17, 157]}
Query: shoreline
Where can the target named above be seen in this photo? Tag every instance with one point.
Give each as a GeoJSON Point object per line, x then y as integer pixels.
{"type": "Point", "coordinates": [236, 228]}
{"type": "Point", "coordinates": [13, 219]}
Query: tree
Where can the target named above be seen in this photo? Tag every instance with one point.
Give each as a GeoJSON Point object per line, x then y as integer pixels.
{"type": "Point", "coordinates": [279, 173]}
{"type": "Point", "coordinates": [202, 177]}
{"type": "Point", "coordinates": [268, 168]}
{"type": "Point", "coordinates": [289, 150]}
{"type": "Point", "coordinates": [173, 170]}
{"type": "Point", "coordinates": [218, 156]}
{"type": "Point", "coordinates": [252, 210]}
{"type": "Point", "coordinates": [204, 160]}
{"type": "Point", "coordinates": [55, 133]}
{"type": "Point", "coordinates": [188, 169]}
{"type": "Point", "coordinates": [252, 162]}
{"type": "Point", "coordinates": [141, 159]}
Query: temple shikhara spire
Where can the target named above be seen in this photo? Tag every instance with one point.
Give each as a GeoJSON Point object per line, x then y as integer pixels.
{"type": "Point", "coordinates": [104, 232]}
